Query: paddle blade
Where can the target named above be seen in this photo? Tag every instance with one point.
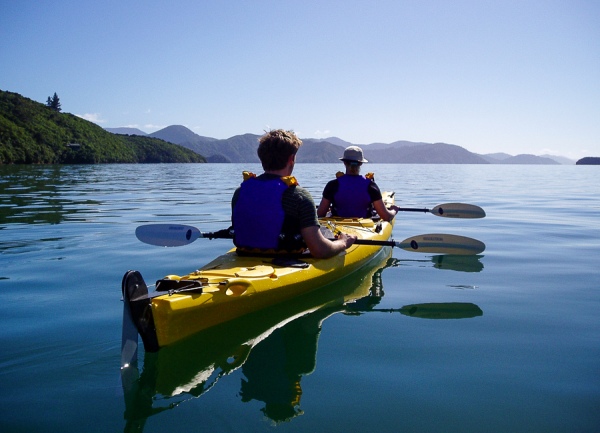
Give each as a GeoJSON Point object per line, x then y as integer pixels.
{"type": "Point", "coordinates": [167, 235]}
{"type": "Point", "coordinates": [438, 243]}
{"type": "Point", "coordinates": [458, 210]}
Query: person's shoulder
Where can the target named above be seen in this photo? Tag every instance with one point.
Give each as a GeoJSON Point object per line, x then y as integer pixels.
{"type": "Point", "coordinates": [332, 183]}
{"type": "Point", "coordinates": [373, 186]}
{"type": "Point", "coordinates": [299, 193]}
{"type": "Point", "coordinates": [299, 190]}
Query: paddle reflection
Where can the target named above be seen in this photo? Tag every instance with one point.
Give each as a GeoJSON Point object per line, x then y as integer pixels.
{"type": "Point", "coordinates": [458, 263]}
{"type": "Point", "coordinates": [445, 310]}
{"type": "Point", "coordinates": [274, 348]}
{"type": "Point", "coordinates": [449, 262]}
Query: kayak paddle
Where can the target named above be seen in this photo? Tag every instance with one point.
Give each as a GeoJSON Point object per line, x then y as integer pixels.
{"type": "Point", "coordinates": [175, 235]}
{"type": "Point", "coordinates": [436, 243]}
{"type": "Point", "coordinates": [450, 210]}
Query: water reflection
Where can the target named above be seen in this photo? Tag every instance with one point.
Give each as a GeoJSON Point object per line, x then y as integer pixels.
{"type": "Point", "coordinates": [44, 194]}
{"type": "Point", "coordinates": [445, 310]}
{"type": "Point", "coordinates": [54, 194]}
{"type": "Point", "coordinates": [451, 262]}
{"type": "Point", "coordinates": [458, 263]}
{"type": "Point", "coordinates": [274, 348]}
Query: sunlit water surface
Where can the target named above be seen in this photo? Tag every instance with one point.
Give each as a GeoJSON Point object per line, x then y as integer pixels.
{"type": "Point", "coordinates": [505, 341]}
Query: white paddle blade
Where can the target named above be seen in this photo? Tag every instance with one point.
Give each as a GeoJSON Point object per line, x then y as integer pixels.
{"type": "Point", "coordinates": [458, 210]}
{"type": "Point", "coordinates": [438, 243]}
{"type": "Point", "coordinates": [167, 235]}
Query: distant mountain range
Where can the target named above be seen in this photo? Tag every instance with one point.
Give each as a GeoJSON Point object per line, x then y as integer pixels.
{"type": "Point", "coordinates": [242, 148]}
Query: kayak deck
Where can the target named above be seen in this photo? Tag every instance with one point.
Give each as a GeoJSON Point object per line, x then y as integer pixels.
{"type": "Point", "coordinates": [233, 285]}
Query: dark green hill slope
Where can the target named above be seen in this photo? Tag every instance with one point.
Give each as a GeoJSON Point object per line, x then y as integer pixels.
{"type": "Point", "coordinates": [589, 160]}
{"type": "Point", "coordinates": [31, 133]}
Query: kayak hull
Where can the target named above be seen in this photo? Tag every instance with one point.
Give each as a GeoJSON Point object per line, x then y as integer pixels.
{"type": "Point", "coordinates": [232, 286]}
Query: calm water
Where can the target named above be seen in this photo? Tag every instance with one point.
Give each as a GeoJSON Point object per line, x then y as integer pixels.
{"type": "Point", "coordinates": [510, 342]}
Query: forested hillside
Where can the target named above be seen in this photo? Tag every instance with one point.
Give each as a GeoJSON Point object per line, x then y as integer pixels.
{"type": "Point", "coordinates": [33, 133]}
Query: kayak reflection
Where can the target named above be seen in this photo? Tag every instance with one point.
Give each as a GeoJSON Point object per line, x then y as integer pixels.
{"type": "Point", "coordinates": [274, 348]}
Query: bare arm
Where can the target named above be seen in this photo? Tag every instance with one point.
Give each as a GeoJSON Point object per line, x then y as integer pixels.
{"type": "Point", "coordinates": [385, 213]}
{"type": "Point", "coordinates": [321, 247]}
{"type": "Point", "coordinates": [323, 208]}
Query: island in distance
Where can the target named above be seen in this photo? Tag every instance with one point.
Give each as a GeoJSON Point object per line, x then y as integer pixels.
{"type": "Point", "coordinates": [589, 160]}
{"type": "Point", "coordinates": [242, 149]}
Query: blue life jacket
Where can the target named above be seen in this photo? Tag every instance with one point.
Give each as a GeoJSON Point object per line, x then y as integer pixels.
{"type": "Point", "coordinates": [258, 215]}
{"type": "Point", "coordinates": [352, 199]}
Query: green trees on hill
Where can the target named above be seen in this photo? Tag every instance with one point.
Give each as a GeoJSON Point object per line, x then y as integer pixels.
{"type": "Point", "coordinates": [30, 133]}
{"type": "Point", "coordinates": [53, 103]}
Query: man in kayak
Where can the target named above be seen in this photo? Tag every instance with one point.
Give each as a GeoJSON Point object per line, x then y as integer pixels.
{"type": "Point", "coordinates": [352, 195]}
{"type": "Point", "coordinates": [272, 213]}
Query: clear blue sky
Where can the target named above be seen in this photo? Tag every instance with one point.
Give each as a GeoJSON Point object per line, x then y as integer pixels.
{"type": "Point", "coordinates": [491, 76]}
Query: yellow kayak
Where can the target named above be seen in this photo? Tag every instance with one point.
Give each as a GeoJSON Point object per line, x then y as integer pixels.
{"type": "Point", "coordinates": [232, 286]}
{"type": "Point", "coordinates": [207, 355]}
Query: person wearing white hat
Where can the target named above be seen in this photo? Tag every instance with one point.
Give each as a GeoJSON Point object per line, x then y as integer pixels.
{"type": "Point", "coordinates": [352, 195]}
